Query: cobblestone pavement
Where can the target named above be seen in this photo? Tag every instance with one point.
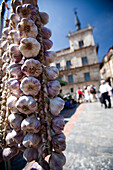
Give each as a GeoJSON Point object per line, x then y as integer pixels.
{"type": "Point", "coordinates": [89, 138]}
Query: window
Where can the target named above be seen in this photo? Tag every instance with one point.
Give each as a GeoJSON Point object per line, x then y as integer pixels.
{"type": "Point", "coordinates": [58, 65]}
{"type": "Point", "coordinates": [81, 43]}
{"type": "Point", "coordinates": [70, 78]}
{"type": "Point", "coordinates": [87, 76]}
{"type": "Point", "coordinates": [84, 61]}
{"type": "Point", "coordinates": [68, 64]}
{"type": "Point", "coordinates": [71, 90]}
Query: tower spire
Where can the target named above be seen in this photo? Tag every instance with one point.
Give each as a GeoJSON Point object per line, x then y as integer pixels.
{"type": "Point", "coordinates": [77, 22]}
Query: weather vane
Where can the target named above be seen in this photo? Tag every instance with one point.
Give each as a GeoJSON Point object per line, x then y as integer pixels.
{"type": "Point", "coordinates": [75, 10]}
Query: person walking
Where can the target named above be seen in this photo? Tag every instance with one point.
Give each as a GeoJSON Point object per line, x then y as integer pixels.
{"type": "Point", "coordinates": [79, 95]}
{"type": "Point", "coordinates": [86, 94]}
{"type": "Point", "coordinates": [105, 91]}
{"type": "Point", "coordinates": [92, 93]}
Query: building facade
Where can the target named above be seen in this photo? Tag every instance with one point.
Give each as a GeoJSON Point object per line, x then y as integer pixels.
{"type": "Point", "coordinates": [106, 67]}
{"type": "Point", "coordinates": [78, 64]}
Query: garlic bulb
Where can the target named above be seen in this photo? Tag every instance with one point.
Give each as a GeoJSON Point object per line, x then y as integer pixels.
{"type": "Point", "coordinates": [30, 154]}
{"type": "Point", "coordinates": [14, 86]}
{"type": "Point", "coordinates": [53, 88]}
{"type": "Point", "coordinates": [57, 160]}
{"type": "Point", "coordinates": [4, 45]}
{"type": "Point", "coordinates": [27, 11]}
{"type": "Point", "coordinates": [29, 47]}
{"type": "Point", "coordinates": [44, 18]}
{"type": "Point", "coordinates": [11, 101]}
{"type": "Point", "coordinates": [49, 56]}
{"type": "Point", "coordinates": [47, 44]}
{"type": "Point", "coordinates": [52, 73]}
{"type": "Point", "coordinates": [18, 136]}
{"type": "Point", "coordinates": [58, 124]}
{"type": "Point", "coordinates": [4, 68]}
{"type": "Point", "coordinates": [27, 28]}
{"type": "Point", "coordinates": [5, 57]}
{"type": "Point", "coordinates": [31, 140]}
{"type": "Point", "coordinates": [46, 33]}
{"type": "Point", "coordinates": [26, 104]}
{"type": "Point", "coordinates": [15, 53]}
{"type": "Point", "coordinates": [5, 32]}
{"type": "Point", "coordinates": [9, 139]}
{"type": "Point", "coordinates": [14, 36]}
{"type": "Point", "coordinates": [15, 70]}
{"type": "Point", "coordinates": [15, 121]}
{"type": "Point", "coordinates": [56, 105]}
{"type": "Point", "coordinates": [32, 67]}
{"type": "Point", "coordinates": [15, 4]}
{"type": "Point", "coordinates": [14, 20]}
{"type": "Point", "coordinates": [31, 124]}
{"type": "Point", "coordinates": [58, 142]}
{"type": "Point", "coordinates": [8, 153]}
{"type": "Point", "coordinates": [30, 86]}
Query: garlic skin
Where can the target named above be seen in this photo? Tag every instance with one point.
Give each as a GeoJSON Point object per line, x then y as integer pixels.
{"type": "Point", "coordinates": [49, 57]}
{"type": "Point", "coordinates": [9, 139]}
{"type": "Point", "coordinates": [47, 44]}
{"type": "Point", "coordinates": [29, 47]}
{"type": "Point", "coordinates": [18, 136]}
{"type": "Point", "coordinates": [53, 88]}
{"type": "Point", "coordinates": [5, 57]}
{"type": "Point", "coordinates": [4, 45]}
{"type": "Point", "coordinates": [21, 147]}
{"type": "Point", "coordinates": [44, 18]}
{"type": "Point", "coordinates": [32, 67]}
{"type": "Point", "coordinates": [5, 32]}
{"type": "Point", "coordinates": [58, 142]}
{"type": "Point", "coordinates": [8, 153]}
{"type": "Point", "coordinates": [11, 101]}
{"type": "Point", "coordinates": [26, 105]}
{"type": "Point", "coordinates": [15, 70]}
{"type": "Point", "coordinates": [31, 140]}
{"type": "Point", "coordinates": [52, 73]}
{"type": "Point", "coordinates": [36, 166]}
{"type": "Point", "coordinates": [15, 36]}
{"type": "Point", "coordinates": [14, 86]}
{"type": "Point", "coordinates": [14, 20]}
{"type": "Point", "coordinates": [27, 11]}
{"type": "Point", "coordinates": [15, 4]}
{"type": "Point", "coordinates": [4, 67]}
{"type": "Point", "coordinates": [31, 124]}
{"type": "Point", "coordinates": [58, 124]}
{"type": "Point", "coordinates": [30, 86]}
{"type": "Point", "coordinates": [30, 154]}
{"type": "Point", "coordinates": [56, 161]}
{"type": "Point", "coordinates": [15, 53]}
{"type": "Point", "coordinates": [33, 2]}
{"type": "Point", "coordinates": [56, 105]}
{"type": "Point", "coordinates": [46, 33]}
{"type": "Point", "coordinates": [27, 28]}
{"type": "Point", "coordinates": [15, 121]}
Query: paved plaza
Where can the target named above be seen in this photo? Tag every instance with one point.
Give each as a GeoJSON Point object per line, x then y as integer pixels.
{"type": "Point", "coordinates": [89, 138]}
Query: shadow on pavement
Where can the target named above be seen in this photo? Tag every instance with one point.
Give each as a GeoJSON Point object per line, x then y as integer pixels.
{"type": "Point", "coordinates": [68, 112]}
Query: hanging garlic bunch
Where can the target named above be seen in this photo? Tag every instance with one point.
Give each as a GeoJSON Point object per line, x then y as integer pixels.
{"type": "Point", "coordinates": [29, 89]}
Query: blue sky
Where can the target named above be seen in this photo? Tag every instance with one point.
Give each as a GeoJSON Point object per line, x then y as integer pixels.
{"type": "Point", "coordinates": [99, 13]}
